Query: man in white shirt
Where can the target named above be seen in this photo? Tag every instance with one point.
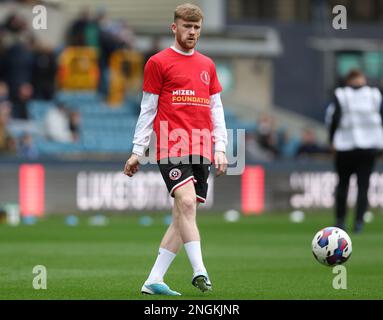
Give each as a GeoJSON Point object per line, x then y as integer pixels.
{"type": "Point", "coordinates": [355, 127]}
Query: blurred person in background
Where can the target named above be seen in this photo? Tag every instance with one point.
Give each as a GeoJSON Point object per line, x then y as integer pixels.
{"type": "Point", "coordinates": [284, 143]}
{"type": "Point", "coordinates": [2, 52]}
{"type": "Point", "coordinates": [26, 148]}
{"type": "Point", "coordinates": [121, 33]}
{"type": "Point", "coordinates": [15, 29]}
{"type": "Point", "coordinates": [7, 143]}
{"type": "Point", "coordinates": [309, 145]}
{"type": "Point", "coordinates": [57, 124]}
{"type": "Point", "coordinates": [154, 48]}
{"type": "Point", "coordinates": [4, 91]}
{"type": "Point", "coordinates": [355, 122]}
{"type": "Point", "coordinates": [108, 44]}
{"type": "Point", "coordinates": [115, 35]}
{"type": "Point", "coordinates": [254, 152]}
{"type": "Point", "coordinates": [5, 115]}
{"type": "Point", "coordinates": [44, 68]}
{"type": "Point", "coordinates": [267, 136]}
{"type": "Point", "coordinates": [106, 36]}
{"type": "Point", "coordinates": [20, 102]}
{"type": "Point", "coordinates": [74, 124]}
{"type": "Point", "coordinates": [84, 31]}
{"type": "Point", "coordinates": [17, 63]}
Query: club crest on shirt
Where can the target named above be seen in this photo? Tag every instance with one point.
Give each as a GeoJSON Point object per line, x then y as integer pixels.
{"type": "Point", "coordinates": [175, 174]}
{"type": "Point", "coordinates": [205, 77]}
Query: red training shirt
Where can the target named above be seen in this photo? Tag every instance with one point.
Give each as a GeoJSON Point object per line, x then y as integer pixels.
{"type": "Point", "coordinates": [184, 84]}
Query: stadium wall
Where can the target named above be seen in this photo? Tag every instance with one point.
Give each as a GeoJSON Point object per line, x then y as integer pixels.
{"type": "Point", "coordinates": [62, 187]}
{"type": "Point", "coordinates": [143, 14]}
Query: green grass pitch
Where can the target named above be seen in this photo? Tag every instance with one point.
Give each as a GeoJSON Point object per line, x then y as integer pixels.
{"type": "Point", "coordinates": [259, 257]}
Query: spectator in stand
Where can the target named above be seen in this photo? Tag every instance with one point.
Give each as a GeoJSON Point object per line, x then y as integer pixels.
{"type": "Point", "coordinates": [17, 63]}
{"type": "Point", "coordinates": [4, 115]}
{"type": "Point", "coordinates": [254, 152]}
{"type": "Point", "coordinates": [107, 45]}
{"type": "Point", "coordinates": [61, 124]}
{"type": "Point", "coordinates": [122, 33]}
{"type": "Point", "coordinates": [6, 140]}
{"type": "Point", "coordinates": [26, 148]}
{"type": "Point", "coordinates": [5, 104]}
{"type": "Point", "coordinates": [4, 92]}
{"type": "Point", "coordinates": [309, 145]}
{"type": "Point", "coordinates": [15, 30]}
{"type": "Point", "coordinates": [76, 32]}
{"type": "Point", "coordinates": [74, 125]}
{"type": "Point", "coordinates": [20, 102]}
{"type": "Point", "coordinates": [155, 48]}
{"type": "Point", "coordinates": [283, 143]}
{"type": "Point", "coordinates": [44, 73]}
{"type": "Point", "coordinates": [267, 135]}
{"type": "Point", "coordinates": [2, 52]}
{"type": "Point", "coordinates": [84, 31]}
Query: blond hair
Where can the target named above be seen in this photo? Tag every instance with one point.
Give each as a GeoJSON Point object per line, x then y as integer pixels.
{"type": "Point", "coordinates": [188, 12]}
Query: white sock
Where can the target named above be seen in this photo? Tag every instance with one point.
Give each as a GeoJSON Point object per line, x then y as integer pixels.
{"type": "Point", "coordinates": [193, 250]}
{"type": "Point", "coordinates": [163, 261]}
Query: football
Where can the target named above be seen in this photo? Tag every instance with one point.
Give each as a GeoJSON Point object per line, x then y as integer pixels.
{"type": "Point", "coordinates": [331, 246]}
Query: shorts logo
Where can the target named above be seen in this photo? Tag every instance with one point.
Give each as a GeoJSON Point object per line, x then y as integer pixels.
{"type": "Point", "coordinates": [175, 174]}
{"type": "Point", "coordinates": [205, 77]}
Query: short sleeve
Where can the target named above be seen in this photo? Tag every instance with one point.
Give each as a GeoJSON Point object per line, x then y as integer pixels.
{"type": "Point", "coordinates": [215, 86]}
{"type": "Point", "coordinates": [152, 78]}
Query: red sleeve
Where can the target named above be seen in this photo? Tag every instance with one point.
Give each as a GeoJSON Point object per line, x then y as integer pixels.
{"type": "Point", "coordinates": [215, 86]}
{"type": "Point", "coordinates": [152, 77]}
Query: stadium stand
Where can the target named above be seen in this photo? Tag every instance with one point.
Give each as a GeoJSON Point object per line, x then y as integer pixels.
{"type": "Point", "coordinates": [102, 129]}
{"type": "Point", "coordinates": [106, 127]}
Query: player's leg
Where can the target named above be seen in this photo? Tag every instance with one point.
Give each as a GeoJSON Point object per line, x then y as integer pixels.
{"type": "Point", "coordinates": [175, 176]}
{"type": "Point", "coordinates": [343, 165]}
{"type": "Point", "coordinates": [201, 171]}
{"type": "Point", "coordinates": [185, 200]}
{"type": "Point", "coordinates": [172, 240]}
{"type": "Point", "coordinates": [179, 179]}
{"type": "Point", "coordinates": [185, 219]}
{"type": "Point", "coordinates": [363, 172]}
{"type": "Point", "coordinates": [170, 244]}
{"type": "Point", "coordinates": [169, 247]}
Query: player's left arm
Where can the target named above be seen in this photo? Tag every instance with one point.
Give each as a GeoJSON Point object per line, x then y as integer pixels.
{"type": "Point", "coordinates": [219, 132]}
{"type": "Point", "coordinates": [380, 103]}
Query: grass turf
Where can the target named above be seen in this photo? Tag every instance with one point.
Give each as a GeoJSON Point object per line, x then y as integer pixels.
{"type": "Point", "coordinates": [259, 257]}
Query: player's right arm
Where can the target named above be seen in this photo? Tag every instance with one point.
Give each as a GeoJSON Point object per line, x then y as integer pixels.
{"type": "Point", "coordinates": [151, 89]}
{"type": "Point", "coordinates": [144, 129]}
{"type": "Point", "coordinates": [332, 118]}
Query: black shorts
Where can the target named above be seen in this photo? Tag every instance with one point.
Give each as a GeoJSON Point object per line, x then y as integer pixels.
{"type": "Point", "coordinates": [176, 173]}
